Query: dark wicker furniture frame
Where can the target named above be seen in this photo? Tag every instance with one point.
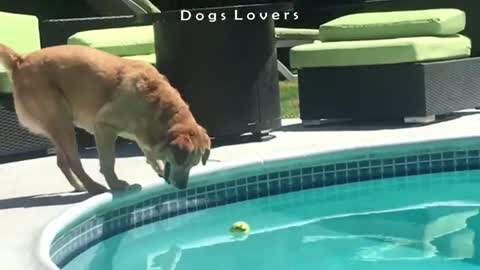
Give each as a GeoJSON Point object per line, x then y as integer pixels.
{"type": "Point", "coordinates": [389, 92]}
{"type": "Point", "coordinates": [16, 142]}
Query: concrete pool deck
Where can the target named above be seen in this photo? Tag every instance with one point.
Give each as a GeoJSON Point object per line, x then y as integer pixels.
{"type": "Point", "coordinates": [34, 191]}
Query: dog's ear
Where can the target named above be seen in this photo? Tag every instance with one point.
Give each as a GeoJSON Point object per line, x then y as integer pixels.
{"type": "Point", "coordinates": [205, 156]}
{"type": "Point", "coordinates": [206, 145]}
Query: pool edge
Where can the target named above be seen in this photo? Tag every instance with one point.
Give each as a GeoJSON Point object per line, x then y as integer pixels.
{"type": "Point", "coordinates": [58, 224]}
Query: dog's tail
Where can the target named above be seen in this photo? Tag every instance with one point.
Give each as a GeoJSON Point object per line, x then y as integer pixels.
{"type": "Point", "coordinates": [9, 58]}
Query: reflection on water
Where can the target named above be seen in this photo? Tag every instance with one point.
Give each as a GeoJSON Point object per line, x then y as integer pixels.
{"type": "Point", "coordinates": [167, 261]}
{"type": "Point", "coordinates": [410, 239]}
{"type": "Point", "coordinates": [406, 235]}
{"type": "Point", "coordinates": [434, 226]}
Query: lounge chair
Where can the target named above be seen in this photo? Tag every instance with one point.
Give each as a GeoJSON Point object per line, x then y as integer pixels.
{"type": "Point", "coordinates": [410, 65]}
{"type": "Point", "coordinates": [21, 33]}
{"type": "Point", "coordinates": [285, 37]}
{"type": "Point", "coordinates": [140, 42]}
{"type": "Point", "coordinates": [290, 37]}
{"type": "Point", "coordinates": [134, 42]}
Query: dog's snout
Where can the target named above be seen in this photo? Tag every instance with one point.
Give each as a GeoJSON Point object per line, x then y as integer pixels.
{"type": "Point", "coordinates": [168, 169]}
{"type": "Point", "coordinates": [178, 178]}
{"type": "Point", "coordinates": [182, 185]}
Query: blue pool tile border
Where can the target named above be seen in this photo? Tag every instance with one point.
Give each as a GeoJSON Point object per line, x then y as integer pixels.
{"type": "Point", "coordinates": [70, 244]}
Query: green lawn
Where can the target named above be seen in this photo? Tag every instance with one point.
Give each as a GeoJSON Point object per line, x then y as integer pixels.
{"type": "Point", "coordinates": [289, 99]}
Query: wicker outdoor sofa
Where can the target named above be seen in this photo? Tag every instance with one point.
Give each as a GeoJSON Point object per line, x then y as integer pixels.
{"type": "Point", "coordinates": [410, 65]}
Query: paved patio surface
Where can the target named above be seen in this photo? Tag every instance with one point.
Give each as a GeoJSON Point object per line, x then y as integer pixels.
{"type": "Point", "coordinates": [33, 192]}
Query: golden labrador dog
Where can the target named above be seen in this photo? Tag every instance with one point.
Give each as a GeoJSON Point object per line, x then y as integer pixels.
{"type": "Point", "coordinates": [60, 87]}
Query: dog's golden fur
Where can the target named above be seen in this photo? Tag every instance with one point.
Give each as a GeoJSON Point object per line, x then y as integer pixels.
{"type": "Point", "coordinates": [60, 87]}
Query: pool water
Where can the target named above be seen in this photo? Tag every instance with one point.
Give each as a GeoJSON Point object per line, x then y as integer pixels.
{"type": "Point", "coordinates": [419, 222]}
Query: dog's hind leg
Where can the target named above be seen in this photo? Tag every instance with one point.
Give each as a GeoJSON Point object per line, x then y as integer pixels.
{"type": "Point", "coordinates": [62, 163]}
{"type": "Point", "coordinates": [48, 114]}
{"type": "Point", "coordinates": [43, 109]}
{"type": "Point", "coordinates": [64, 138]}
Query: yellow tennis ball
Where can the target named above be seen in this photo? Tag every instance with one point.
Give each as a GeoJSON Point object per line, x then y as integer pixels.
{"type": "Point", "coordinates": [240, 228]}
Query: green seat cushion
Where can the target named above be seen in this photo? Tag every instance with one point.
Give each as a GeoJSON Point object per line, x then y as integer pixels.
{"type": "Point", "coordinates": [21, 33]}
{"type": "Point", "coordinates": [124, 41]}
{"type": "Point", "coordinates": [149, 58]}
{"type": "Point", "coordinates": [296, 33]}
{"type": "Point", "coordinates": [383, 25]}
{"type": "Point", "coordinates": [382, 51]}
{"type": "Point", "coordinates": [5, 83]}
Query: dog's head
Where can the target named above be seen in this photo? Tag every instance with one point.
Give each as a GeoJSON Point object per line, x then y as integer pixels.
{"type": "Point", "coordinates": [187, 146]}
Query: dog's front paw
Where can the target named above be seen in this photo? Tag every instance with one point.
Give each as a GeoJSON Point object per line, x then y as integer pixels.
{"type": "Point", "coordinates": [78, 187]}
{"type": "Point", "coordinates": [118, 185]}
{"type": "Point", "coordinates": [95, 188]}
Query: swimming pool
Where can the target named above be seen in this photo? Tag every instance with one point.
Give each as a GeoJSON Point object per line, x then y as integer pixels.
{"type": "Point", "coordinates": [412, 206]}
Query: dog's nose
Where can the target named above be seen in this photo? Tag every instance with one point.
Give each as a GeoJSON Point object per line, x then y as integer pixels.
{"type": "Point", "coordinates": [181, 185]}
